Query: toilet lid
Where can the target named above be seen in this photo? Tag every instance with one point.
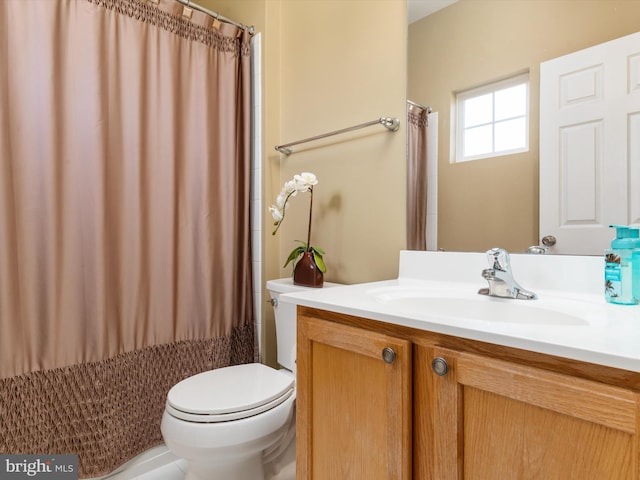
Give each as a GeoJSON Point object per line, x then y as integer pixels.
{"type": "Point", "coordinates": [231, 392]}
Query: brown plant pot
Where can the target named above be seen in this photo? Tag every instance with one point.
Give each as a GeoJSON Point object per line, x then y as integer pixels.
{"type": "Point", "coordinates": [306, 273]}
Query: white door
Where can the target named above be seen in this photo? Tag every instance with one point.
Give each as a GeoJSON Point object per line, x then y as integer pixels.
{"type": "Point", "coordinates": [590, 145]}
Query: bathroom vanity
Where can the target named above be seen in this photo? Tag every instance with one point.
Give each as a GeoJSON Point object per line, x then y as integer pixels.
{"type": "Point", "coordinates": [422, 378]}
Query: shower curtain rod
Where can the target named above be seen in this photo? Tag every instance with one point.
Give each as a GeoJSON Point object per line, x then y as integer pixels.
{"type": "Point", "coordinates": [216, 15]}
{"type": "Point", "coordinates": [428, 109]}
{"type": "Point", "coordinates": [390, 123]}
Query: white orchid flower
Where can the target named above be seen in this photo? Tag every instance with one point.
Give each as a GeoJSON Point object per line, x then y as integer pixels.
{"type": "Point", "coordinates": [289, 188]}
{"type": "Point", "coordinates": [281, 200]}
{"type": "Point", "coordinates": [302, 182]}
{"type": "Point", "coordinates": [305, 181]}
{"type": "Point", "coordinates": [276, 213]}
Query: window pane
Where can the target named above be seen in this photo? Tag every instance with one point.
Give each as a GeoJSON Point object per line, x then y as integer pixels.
{"type": "Point", "coordinates": [511, 135]}
{"type": "Point", "coordinates": [478, 140]}
{"type": "Point", "coordinates": [493, 119]}
{"type": "Point", "coordinates": [511, 102]}
{"type": "Point", "coordinates": [478, 110]}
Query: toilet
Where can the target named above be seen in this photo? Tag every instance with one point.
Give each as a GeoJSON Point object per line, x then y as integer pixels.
{"type": "Point", "coordinates": [228, 422]}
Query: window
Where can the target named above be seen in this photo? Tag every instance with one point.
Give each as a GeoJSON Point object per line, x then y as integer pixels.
{"type": "Point", "coordinates": [493, 119]}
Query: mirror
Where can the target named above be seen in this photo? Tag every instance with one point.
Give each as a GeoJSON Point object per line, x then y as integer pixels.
{"type": "Point", "coordinates": [494, 202]}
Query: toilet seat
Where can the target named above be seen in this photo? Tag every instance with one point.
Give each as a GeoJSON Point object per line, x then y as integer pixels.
{"type": "Point", "coordinates": [229, 393]}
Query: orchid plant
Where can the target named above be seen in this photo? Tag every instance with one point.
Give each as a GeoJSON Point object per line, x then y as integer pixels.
{"type": "Point", "coordinates": [304, 182]}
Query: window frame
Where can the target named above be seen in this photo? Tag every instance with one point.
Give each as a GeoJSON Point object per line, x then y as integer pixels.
{"type": "Point", "coordinates": [492, 87]}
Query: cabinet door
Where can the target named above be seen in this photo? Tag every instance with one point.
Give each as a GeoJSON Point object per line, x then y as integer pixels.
{"type": "Point", "coordinates": [498, 420]}
{"type": "Point", "coordinates": [353, 403]}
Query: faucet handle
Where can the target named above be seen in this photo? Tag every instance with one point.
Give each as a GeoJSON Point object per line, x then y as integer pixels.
{"type": "Point", "coordinates": [499, 259]}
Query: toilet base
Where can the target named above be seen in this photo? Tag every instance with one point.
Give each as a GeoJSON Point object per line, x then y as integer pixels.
{"type": "Point", "coordinates": [233, 450]}
{"type": "Point", "coordinates": [250, 468]}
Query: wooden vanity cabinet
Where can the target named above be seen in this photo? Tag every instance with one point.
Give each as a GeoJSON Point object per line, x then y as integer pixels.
{"type": "Point", "coordinates": [353, 405]}
{"type": "Point", "coordinates": [449, 408]}
{"type": "Point", "coordinates": [499, 420]}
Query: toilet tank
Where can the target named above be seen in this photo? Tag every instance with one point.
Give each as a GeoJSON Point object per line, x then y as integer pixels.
{"type": "Point", "coordinates": [285, 314]}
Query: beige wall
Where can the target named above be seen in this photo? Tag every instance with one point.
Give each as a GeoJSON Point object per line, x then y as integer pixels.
{"type": "Point", "coordinates": [329, 64]}
{"type": "Point", "coordinates": [344, 63]}
{"type": "Point", "coordinates": [494, 202]}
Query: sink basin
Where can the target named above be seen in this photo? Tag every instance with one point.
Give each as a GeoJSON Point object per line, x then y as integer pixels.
{"type": "Point", "coordinates": [472, 307]}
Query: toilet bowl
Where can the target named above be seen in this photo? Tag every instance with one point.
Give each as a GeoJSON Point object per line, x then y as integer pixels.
{"type": "Point", "coordinates": [227, 422]}
{"type": "Point", "coordinates": [222, 420]}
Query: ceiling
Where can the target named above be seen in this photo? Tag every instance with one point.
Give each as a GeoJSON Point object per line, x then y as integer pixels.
{"type": "Point", "coordinates": [417, 9]}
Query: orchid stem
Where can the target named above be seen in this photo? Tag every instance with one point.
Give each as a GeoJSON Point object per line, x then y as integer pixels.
{"type": "Point", "coordinates": [310, 210]}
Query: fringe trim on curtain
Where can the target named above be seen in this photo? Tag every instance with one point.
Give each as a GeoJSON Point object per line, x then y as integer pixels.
{"type": "Point", "coordinates": [420, 119]}
{"type": "Point", "coordinates": [146, 12]}
{"type": "Point", "coordinates": [109, 411]}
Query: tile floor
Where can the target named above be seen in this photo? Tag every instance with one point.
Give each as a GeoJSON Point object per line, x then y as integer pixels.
{"type": "Point", "coordinates": [171, 471]}
{"type": "Point", "coordinates": [157, 463]}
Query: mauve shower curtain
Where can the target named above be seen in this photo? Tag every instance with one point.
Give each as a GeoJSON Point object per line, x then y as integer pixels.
{"type": "Point", "coordinates": [417, 123]}
{"type": "Point", "coordinates": [124, 219]}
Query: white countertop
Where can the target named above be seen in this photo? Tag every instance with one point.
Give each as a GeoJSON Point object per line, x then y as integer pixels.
{"type": "Point", "coordinates": [569, 319]}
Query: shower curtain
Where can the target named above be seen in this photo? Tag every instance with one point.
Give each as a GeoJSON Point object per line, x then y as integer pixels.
{"type": "Point", "coordinates": [417, 121]}
{"type": "Point", "coordinates": [125, 261]}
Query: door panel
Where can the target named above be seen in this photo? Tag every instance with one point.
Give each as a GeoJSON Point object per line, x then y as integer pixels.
{"type": "Point", "coordinates": [353, 408]}
{"type": "Point", "coordinates": [498, 420]}
{"type": "Point", "coordinates": [589, 145]}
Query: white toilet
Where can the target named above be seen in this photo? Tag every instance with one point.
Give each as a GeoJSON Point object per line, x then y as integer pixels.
{"type": "Point", "coordinates": [227, 422]}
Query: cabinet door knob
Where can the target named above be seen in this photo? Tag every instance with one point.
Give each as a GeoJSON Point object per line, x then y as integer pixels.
{"type": "Point", "coordinates": [440, 366]}
{"type": "Point", "coordinates": [388, 355]}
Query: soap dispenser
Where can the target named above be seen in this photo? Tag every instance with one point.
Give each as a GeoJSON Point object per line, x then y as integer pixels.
{"type": "Point", "coordinates": [635, 267]}
{"type": "Point", "coordinates": [618, 273]}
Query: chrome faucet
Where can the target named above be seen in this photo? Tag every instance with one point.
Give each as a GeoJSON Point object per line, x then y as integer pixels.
{"type": "Point", "coordinates": [501, 281]}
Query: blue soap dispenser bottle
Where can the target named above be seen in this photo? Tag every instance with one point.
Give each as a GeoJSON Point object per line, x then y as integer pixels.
{"type": "Point", "coordinates": [618, 273]}
{"type": "Point", "coordinates": [635, 266]}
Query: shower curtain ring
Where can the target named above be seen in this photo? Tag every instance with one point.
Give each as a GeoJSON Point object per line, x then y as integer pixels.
{"type": "Point", "coordinates": [187, 11]}
{"type": "Point", "coordinates": [216, 21]}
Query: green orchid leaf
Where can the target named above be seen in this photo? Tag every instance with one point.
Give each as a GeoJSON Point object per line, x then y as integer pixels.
{"type": "Point", "coordinates": [319, 261]}
{"type": "Point", "coordinates": [316, 251]}
{"type": "Point", "coordinates": [295, 253]}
